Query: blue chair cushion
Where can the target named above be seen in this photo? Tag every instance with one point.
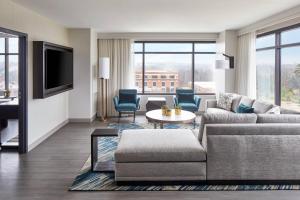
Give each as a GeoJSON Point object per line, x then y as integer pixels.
{"type": "Point", "coordinates": [186, 97]}
{"type": "Point", "coordinates": [127, 98]}
{"type": "Point", "coordinates": [127, 107]}
{"type": "Point", "coordinates": [189, 107]}
{"type": "Point", "coordinates": [245, 109]}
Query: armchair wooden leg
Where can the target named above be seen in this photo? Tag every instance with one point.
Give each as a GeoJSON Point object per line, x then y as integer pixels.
{"type": "Point", "coordinates": [119, 117]}
{"type": "Point", "coordinates": [133, 117]}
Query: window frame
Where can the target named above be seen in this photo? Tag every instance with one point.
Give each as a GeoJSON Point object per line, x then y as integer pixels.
{"type": "Point", "coordinates": [278, 47]}
{"type": "Point", "coordinates": [193, 53]}
{"type": "Point", "coordinates": [6, 55]}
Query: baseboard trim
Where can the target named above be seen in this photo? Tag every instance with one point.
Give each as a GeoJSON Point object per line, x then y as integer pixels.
{"type": "Point", "coordinates": [83, 120]}
{"type": "Point", "coordinates": [44, 137]}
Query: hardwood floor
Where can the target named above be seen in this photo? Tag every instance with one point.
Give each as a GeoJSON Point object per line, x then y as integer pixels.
{"type": "Point", "coordinates": [46, 172]}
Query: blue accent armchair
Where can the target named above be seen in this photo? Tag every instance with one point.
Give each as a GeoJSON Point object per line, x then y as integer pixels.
{"type": "Point", "coordinates": [127, 101]}
{"type": "Point", "coordinates": [186, 99]}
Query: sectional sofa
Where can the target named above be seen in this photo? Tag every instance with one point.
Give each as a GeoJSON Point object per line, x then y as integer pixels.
{"type": "Point", "coordinates": [229, 146]}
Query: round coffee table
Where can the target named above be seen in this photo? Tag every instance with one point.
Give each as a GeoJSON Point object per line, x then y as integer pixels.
{"type": "Point", "coordinates": [156, 117]}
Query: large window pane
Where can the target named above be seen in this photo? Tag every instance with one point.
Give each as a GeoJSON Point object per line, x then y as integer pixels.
{"type": "Point", "coordinates": [290, 36]}
{"type": "Point", "coordinates": [165, 72]}
{"type": "Point", "coordinates": [265, 75]}
{"type": "Point", "coordinates": [205, 47]}
{"type": "Point", "coordinates": [138, 47]}
{"type": "Point", "coordinates": [203, 76]}
{"type": "Point", "coordinates": [2, 72]}
{"type": "Point", "coordinates": [13, 75]}
{"type": "Point", "coordinates": [13, 45]}
{"type": "Point", "coordinates": [168, 47]}
{"type": "Point", "coordinates": [2, 45]}
{"type": "Point", "coordinates": [265, 41]}
{"type": "Point", "coordinates": [290, 78]}
{"type": "Point", "coordinates": [138, 66]}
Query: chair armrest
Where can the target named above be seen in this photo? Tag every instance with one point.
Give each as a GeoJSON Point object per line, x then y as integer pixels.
{"type": "Point", "coordinates": [197, 100]}
{"type": "Point", "coordinates": [116, 101]}
{"type": "Point", "coordinates": [138, 99]}
{"type": "Point", "coordinates": [175, 101]}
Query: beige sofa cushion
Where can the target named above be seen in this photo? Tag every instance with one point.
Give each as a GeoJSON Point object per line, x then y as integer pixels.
{"type": "Point", "coordinates": [246, 101]}
{"type": "Point", "coordinates": [217, 111]}
{"type": "Point", "coordinates": [235, 102]}
{"type": "Point", "coordinates": [159, 145]}
{"type": "Point", "coordinates": [261, 107]}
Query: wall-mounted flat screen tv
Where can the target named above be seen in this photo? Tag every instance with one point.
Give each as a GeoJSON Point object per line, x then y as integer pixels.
{"type": "Point", "coordinates": [53, 69]}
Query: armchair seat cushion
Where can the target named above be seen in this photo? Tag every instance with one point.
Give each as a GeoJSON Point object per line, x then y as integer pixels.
{"type": "Point", "coordinates": [189, 106]}
{"type": "Point", "coordinates": [126, 107]}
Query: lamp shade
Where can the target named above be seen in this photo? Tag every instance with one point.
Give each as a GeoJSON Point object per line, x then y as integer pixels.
{"type": "Point", "coordinates": [222, 64]}
{"type": "Point", "coordinates": [104, 68]}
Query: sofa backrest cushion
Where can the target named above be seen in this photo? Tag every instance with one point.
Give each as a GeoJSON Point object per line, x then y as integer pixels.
{"type": "Point", "coordinates": [261, 107]}
{"type": "Point", "coordinates": [235, 102]}
{"type": "Point", "coordinates": [282, 118]}
{"type": "Point", "coordinates": [225, 119]}
{"type": "Point", "coordinates": [287, 111]}
{"type": "Point", "coordinates": [246, 101]}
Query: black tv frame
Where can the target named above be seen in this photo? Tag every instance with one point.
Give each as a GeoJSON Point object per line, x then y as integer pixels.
{"type": "Point", "coordinates": [39, 79]}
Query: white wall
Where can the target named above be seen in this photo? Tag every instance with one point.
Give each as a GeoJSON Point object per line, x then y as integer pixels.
{"type": "Point", "coordinates": [43, 114]}
{"type": "Point", "coordinates": [79, 102]}
{"type": "Point", "coordinates": [94, 75]}
{"type": "Point", "coordinates": [82, 102]}
{"type": "Point", "coordinates": [225, 78]}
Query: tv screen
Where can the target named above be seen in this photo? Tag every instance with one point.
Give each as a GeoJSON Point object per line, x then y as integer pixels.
{"type": "Point", "coordinates": [58, 68]}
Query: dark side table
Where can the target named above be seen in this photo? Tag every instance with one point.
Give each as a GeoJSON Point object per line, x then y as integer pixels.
{"type": "Point", "coordinates": [98, 166]}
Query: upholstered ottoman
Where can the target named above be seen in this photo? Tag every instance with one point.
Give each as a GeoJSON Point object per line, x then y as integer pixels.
{"type": "Point", "coordinates": [159, 155]}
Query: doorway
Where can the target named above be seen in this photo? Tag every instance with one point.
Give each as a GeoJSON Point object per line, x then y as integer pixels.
{"type": "Point", "coordinates": [13, 90]}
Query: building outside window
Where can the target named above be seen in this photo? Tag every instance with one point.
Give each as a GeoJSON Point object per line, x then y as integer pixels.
{"type": "Point", "coordinates": [177, 64]}
{"type": "Point", "coordinates": [9, 62]}
{"type": "Point", "coordinates": [278, 67]}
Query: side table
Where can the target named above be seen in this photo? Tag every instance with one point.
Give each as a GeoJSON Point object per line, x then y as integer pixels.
{"type": "Point", "coordinates": [98, 166]}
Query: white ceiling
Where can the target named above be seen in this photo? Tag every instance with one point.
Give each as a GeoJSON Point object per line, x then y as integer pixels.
{"type": "Point", "coordinates": [158, 15]}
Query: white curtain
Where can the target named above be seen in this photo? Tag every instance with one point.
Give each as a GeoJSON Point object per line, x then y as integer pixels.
{"type": "Point", "coordinates": [121, 70]}
{"type": "Point", "coordinates": [246, 65]}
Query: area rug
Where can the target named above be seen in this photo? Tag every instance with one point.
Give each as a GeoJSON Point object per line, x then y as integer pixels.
{"type": "Point", "coordinates": [92, 181]}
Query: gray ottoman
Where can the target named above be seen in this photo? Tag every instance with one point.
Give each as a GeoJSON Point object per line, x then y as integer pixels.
{"type": "Point", "coordinates": [159, 155]}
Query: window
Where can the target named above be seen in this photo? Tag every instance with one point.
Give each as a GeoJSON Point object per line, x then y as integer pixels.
{"type": "Point", "coordinates": [174, 65]}
{"type": "Point", "coordinates": [278, 67]}
{"type": "Point", "coordinates": [9, 62]}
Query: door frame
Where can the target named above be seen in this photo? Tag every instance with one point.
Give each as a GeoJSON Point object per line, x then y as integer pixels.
{"type": "Point", "coordinates": [23, 87]}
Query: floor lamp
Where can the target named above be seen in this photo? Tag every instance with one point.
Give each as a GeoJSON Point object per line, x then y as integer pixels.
{"type": "Point", "coordinates": [104, 76]}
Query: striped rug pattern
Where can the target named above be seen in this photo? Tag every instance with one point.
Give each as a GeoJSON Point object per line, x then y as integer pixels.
{"type": "Point", "coordinates": [91, 181]}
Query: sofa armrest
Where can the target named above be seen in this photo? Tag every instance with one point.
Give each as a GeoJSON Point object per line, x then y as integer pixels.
{"type": "Point", "coordinates": [211, 103]}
